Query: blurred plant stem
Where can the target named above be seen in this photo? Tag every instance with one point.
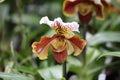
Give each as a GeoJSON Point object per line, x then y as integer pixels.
{"type": "Point", "coordinates": [93, 24]}
{"type": "Point", "coordinates": [64, 70]}
{"type": "Point", "coordinates": [29, 58]}
{"type": "Point", "coordinates": [2, 38]}
{"type": "Point", "coordinates": [13, 53]}
{"type": "Point", "coordinates": [84, 36]}
{"type": "Point", "coordinates": [18, 5]}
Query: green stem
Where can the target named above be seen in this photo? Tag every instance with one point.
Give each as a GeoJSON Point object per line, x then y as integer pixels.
{"type": "Point", "coordinates": [84, 36]}
{"type": "Point", "coordinates": [13, 53]}
{"type": "Point", "coordinates": [84, 30]}
{"type": "Point", "coordinates": [2, 39]}
{"type": "Point", "coordinates": [18, 5]}
{"type": "Point", "coordinates": [64, 70]}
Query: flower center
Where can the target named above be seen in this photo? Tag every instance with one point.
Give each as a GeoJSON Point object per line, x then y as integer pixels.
{"type": "Point", "coordinates": [59, 44]}
{"type": "Point", "coordinates": [62, 30]}
{"type": "Point", "coordinates": [84, 8]}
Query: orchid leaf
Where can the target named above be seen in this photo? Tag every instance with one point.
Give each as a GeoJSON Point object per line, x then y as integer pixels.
{"type": "Point", "coordinates": [26, 19]}
{"type": "Point", "coordinates": [116, 4]}
{"type": "Point", "coordinates": [11, 76]}
{"type": "Point", "coordinates": [2, 1]}
{"type": "Point", "coordinates": [92, 54]}
{"type": "Point", "coordinates": [117, 54]}
{"type": "Point", "coordinates": [104, 37]}
{"type": "Point", "coordinates": [51, 73]}
{"type": "Point", "coordinates": [74, 61]}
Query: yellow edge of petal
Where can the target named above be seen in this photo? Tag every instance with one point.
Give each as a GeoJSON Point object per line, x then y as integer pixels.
{"type": "Point", "coordinates": [41, 58]}
{"type": "Point", "coordinates": [65, 13]}
{"type": "Point", "coordinates": [77, 53]}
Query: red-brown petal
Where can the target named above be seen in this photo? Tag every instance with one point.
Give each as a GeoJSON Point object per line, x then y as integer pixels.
{"type": "Point", "coordinates": [60, 57]}
{"type": "Point", "coordinates": [41, 48]}
{"type": "Point", "coordinates": [99, 10]}
{"type": "Point", "coordinates": [78, 44]}
{"type": "Point", "coordinates": [69, 6]}
{"type": "Point", "coordinates": [86, 18]}
{"type": "Point", "coordinates": [106, 4]}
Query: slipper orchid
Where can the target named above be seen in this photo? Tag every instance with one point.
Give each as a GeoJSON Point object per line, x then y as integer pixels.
{"type": "Point", "coordinates": [62, 43]}
{"type": "Point", "coordinates": [84, 9]}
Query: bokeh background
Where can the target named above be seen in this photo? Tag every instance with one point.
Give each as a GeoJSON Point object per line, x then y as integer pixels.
{"type": "Point", "coordinates": [19, 27]}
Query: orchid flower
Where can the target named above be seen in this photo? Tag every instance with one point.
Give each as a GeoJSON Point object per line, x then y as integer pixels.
{"type": "Point", "coordinates": [84, 9]}
{"type": "Point", "coordinates": [63, 43]}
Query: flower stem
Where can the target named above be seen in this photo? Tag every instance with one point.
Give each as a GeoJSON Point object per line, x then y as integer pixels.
{"type": "Point", "coordinates": [64, 70]}
{"type": "Point", "coordinates": [84, 36]}
{"type": "Point", "coordinates": [18, 5]}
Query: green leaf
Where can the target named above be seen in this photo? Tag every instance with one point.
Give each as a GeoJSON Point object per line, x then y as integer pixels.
{"type": "Point", "coordinates": [92, 54]}
{"type": "Point", "coordinates": [26, 19]}
{"type": "Point", "coordinates": [27, 69]}
{"type": "Point", "coordinates": [51, 73]}
{"type": "Point", "coordinates": [9, 66]}
{"type": "Point", "coordinates": [3, 13]}
{"type": "Point", "coordinates": [105, 24]}
{"type": "Point", "coordinates": [74, 65]}
{"type": "Point", "coordinates": [117, 54]}
{"type": "Point", "coordinates": [115, 23]}
{"type": "Point", "coordinates": [104, 37]}
{"type": "Point", "coordinates": [74, 61]}
{"type": "Point", "coordinates": [116, 3]}
{"type": "Point", "coordinates": [11, 76]}
{"type": "Point", "coordinates": [2, 1]}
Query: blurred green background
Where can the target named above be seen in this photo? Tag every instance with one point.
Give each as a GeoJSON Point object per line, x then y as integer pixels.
{"type": "Point", "coordinates": [19, 27]}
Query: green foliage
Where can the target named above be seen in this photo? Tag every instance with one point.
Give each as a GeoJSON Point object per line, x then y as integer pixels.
{"type": "Point", "coordinates": [10, 76]}
{"type": "Point", "coordinates": [2, 1]}
{"type": "Point", "coordinates": [51, 73]}
{"type": "Point", "coordinates": [115, 3]}
{"type": "Point", "coordinates": [104, 37]}
{"type": "Point", "coordinates": [107, 54]}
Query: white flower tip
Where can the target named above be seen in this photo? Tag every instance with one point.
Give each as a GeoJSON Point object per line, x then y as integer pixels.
{"type": "Point", "coordinates": [58, 19]}
{"type": "Point", "coordinates": [72, 0]}
{"type": "Point", "coordinates": [44, 20]}
{"type": "Point", "coordinates": [75, 26]}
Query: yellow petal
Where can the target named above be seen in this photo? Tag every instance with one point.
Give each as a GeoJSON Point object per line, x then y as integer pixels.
{"type": "Point", "coordinates": [85, 7]}
{"type": "Point", "coordinates": [70, 48]}
{"type": "Point", "coordinates": [58, 44]}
